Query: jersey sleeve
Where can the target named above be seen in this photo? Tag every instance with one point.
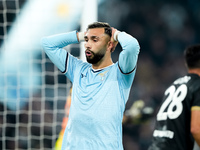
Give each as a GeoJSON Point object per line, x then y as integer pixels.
{"type": "Point", "coordinates": [196, 101]}
{"type": "Point", "coordinates": [195, 92]}
{"type": "Point", "coordinates": [54, 48]}
{"type": "Point", "coordinates": [129, 54]}
{"type": "Point", "coordinates": [127, 59]}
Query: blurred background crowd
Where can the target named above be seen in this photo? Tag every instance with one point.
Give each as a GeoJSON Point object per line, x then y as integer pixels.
{"type": "Point", "coordinates": [163, 29]}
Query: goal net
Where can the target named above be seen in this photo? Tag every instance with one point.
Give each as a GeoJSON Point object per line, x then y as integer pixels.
{"type": "Point", "coordinates": [33, 91]}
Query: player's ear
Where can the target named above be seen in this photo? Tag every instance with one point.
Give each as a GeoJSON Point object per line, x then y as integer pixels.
{"type": "Point", "coordinates": [114, 44]}
{"type": "Point", "coordinates": [110, 46]}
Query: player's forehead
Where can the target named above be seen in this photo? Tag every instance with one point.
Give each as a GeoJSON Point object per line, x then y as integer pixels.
{"type": "Point", "coordinates": [95, 32]}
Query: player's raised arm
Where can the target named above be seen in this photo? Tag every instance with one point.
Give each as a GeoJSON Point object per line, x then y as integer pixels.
{"type": "Point", "coordinates": [53, 47]}
{"type": "Point", "coordinates": [129, 56]}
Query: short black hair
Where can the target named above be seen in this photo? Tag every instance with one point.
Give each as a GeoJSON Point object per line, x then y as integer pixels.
{"type": "Point", "coordinates": [106, 26]}
{"type": "Point", "coordinates": [192, 56]}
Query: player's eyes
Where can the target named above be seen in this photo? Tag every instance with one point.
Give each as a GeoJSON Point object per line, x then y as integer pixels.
{"type": "Point", "coordinates": [95, 40]}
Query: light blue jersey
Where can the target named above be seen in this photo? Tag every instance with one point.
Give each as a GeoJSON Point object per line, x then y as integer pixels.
{"type": "Point", "coordinates": [98, 96]}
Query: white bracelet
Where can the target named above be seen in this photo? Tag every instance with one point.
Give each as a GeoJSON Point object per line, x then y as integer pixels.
{"type": "Point", "coordinates": [116, 35]}
{"type": "Point", "coordinates": [81, 36]}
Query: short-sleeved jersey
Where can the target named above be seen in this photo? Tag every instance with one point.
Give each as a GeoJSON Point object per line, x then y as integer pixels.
{"type": "Point", "coordinates": [172, 131]}
{"type": "Point", "coordinates": [98, 96]}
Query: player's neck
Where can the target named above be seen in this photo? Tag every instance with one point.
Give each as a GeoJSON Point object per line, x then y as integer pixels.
{"type": "Point", "coordinates": [194, 71]}
{"type": "Point", "coordinates": [102, 64]}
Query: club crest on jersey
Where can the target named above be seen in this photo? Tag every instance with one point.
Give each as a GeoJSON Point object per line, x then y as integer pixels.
{"type": "Point", "coordinates": [102, 75]}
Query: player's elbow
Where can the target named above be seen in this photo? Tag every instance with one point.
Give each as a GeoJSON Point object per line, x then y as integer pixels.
{"type": "Point", "coordinates": [45, 43]}
{"type": "Point", "coordinates": [134, 46]}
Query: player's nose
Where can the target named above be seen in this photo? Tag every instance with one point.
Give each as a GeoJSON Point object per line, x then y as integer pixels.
{"type": "Point", "coordinates": [87, 45]}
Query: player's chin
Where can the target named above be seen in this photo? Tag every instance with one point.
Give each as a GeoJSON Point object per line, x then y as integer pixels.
{"type": "Point", "coordinates": [91, 60]}
{"type": "Point", "coordinates": [88, 58]}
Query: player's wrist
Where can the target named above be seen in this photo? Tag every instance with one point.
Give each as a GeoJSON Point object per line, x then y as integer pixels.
{"type": "Point", "coordinates": [115, 36]}
{"type": "Point", "coordinates": [81, 36]}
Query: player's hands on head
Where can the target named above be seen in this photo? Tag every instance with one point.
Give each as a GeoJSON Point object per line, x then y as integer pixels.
{"type": "Point", "coordinates": [80, 36]}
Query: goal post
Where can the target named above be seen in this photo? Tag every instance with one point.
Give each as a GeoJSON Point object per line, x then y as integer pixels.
{"type": "Point", "coordinates": [89, 15]}
{"type": "Point", "coordinates": [33, 90]}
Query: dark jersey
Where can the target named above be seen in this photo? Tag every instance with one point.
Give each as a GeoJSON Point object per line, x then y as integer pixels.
{"type": "Point", "coordinates": [172, 131]}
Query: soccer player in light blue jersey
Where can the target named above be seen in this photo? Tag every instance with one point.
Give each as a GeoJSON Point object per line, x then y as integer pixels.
{"type": "Point", "coordinates": [100, 87]}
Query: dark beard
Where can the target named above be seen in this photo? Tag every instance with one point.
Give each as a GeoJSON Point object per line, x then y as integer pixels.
{"type": "Point", "coordinates": [95, 59]}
